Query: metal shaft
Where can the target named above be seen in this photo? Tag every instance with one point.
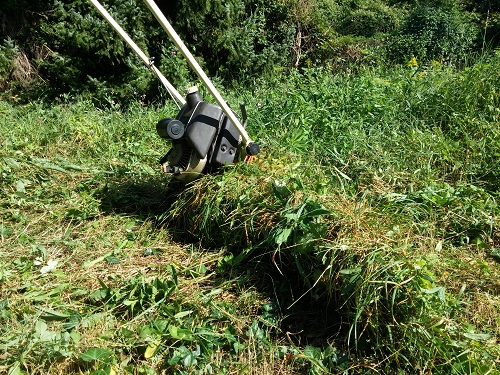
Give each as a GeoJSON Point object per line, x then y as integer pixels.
{"type": "Point", "coordinates": [197, 69]}
{"type": "Point", "coordinates": [171, 89]}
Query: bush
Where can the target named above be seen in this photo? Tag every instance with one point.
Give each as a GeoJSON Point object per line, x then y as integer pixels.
{"type": "Point", "coordinates": [8, 52]}
{"type": "Point", "coordinates": [489, 10]}
{"type": "Point", "coordinates": [231, 39]}
{"type": "Point", "coordinates": [344, 35]}
{"type": "Point", "coordinates": [371, 18]}
{"type": "Point", "coordinates": [75, 51]}
{"type": "Point", "coordinates": [444, 33]}
{"type": "Point", "coordinates": [235, 38]}
{"type": "Point", "coordinates": [89, 56]}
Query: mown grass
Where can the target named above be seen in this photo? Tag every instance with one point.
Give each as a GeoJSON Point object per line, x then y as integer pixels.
{"type": "Point", "coordinates": [80, 193]}
{"type": "Point", "coordinates": [364, 239]}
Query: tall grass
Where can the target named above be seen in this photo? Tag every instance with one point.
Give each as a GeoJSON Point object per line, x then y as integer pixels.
{"type": "Point", "coordinates": [367, 185]}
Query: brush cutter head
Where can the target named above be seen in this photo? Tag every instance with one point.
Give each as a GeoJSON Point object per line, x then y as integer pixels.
{"type": "Point", "coordinates": [202, 138]}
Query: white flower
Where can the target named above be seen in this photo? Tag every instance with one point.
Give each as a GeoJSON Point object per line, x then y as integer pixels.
{"type": "Point", "coordinates": [51, 266]}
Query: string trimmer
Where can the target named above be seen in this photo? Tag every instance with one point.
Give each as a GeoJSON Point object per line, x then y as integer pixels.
{"type": "Point", "coordinates": [203, 135]}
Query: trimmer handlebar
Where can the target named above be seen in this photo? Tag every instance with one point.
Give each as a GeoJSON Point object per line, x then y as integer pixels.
{"type": "Point", "coordinates": [204, 136]}
{"type": "Point", "coordinates": [245, 139]}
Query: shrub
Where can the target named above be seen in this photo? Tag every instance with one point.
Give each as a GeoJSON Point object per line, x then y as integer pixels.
{"type": "Point", "coordinates": [75, 51]}
{"type": "Point", "coordinates": [231, 39]}
{"type": "Point", "coordinates": [8, 51]}
{"type": "Point", "coordinates": [90, 56]}
{"type": "Point", "coordinates": [489, 10]}
{"type": "Point", "coordinates": [370, 18]}
{"type": "Point", "coordinates": [237, 37]}
{"type": "Point", "coordinates": [444, 33]}
{"type": "Point", "coordinates": [343, 35]}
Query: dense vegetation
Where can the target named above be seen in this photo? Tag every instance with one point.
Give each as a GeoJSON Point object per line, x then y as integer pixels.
{"type": "Point", "coordinates": [236, 40]}
{"type": "Point", "coordinates": [364, 239]}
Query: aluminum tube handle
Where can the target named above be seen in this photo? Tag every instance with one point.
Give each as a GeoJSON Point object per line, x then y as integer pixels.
{"type": "Point", "coordinates": [201, 74]}
{"type": "Point", "coordinates": [171, 89]}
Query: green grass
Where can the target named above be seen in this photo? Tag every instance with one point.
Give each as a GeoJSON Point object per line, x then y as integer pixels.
{"type": "Point", "coordinates": [364, 239]}
{"type": "Point", "coordinates": [80, 188]}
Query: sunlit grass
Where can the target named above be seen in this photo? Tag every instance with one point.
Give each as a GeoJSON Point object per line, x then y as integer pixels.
{"type": "Point", "coordinates": [365, 237]}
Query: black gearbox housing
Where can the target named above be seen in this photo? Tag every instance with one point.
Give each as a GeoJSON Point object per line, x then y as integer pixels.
{"type": "Point", "coordinates": [205, 129]}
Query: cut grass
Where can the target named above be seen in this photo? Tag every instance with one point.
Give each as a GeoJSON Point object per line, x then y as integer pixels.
{"type": "Point", "coordinates": [93, 219]}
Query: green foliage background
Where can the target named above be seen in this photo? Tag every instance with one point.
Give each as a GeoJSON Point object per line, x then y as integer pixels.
{"type": "Point", "coordinates": [52, 48]}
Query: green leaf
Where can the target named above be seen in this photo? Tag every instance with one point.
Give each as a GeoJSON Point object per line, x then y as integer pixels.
{"type": "Point", "coordinates": [20, 187]}
{"type": "Point", "coordinates": [350, 271]}
{"type": "Point", "coordinates": [202, 269]}
{"type": "Point", "coordinates": [495, 253]}
{"type": "Point", "coordinates": [129, 225]}
{"type": "Point", "coordinates": [159, 326]}
{"type": "Point", "coordinates": [15, 369]}
{"type": "Point", "coordinates": [477, 336]}
{"type": "Point", "coordinates": [43, 334]}
{"type": "Point", "coordinates": [97, 354]}
{"type": "Point", "coordinates": [12, 163]}
{"type": "Point", "coordinates": [4, 231]}
{"type": "Point", "coordinates": [112, 259]}
{"type": "Point", "coordinates": [282, 235]}
{"type": "Point", "coordinates": [180, 333]}
{"type": "Point", "coordinates": [127, 333]}
{"type": "Point", "coordinates": [75, 336]}
{"type": "Point", "coordinates": [182, 314]}
{"type": "Point", "coordinates": [40, 327]}
{"type": "Point", "coordinates": [312, 352]}
{"type": "Point", "coordinates": [53, 315]}
{"type": "Point", "coordinates": [190, 359]}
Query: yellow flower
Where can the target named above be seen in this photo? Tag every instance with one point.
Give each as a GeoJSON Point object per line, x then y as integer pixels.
{"type": "Point", "coordinates": [412, 63]}
{"type": "Point", "coordinates": [436, 64]}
